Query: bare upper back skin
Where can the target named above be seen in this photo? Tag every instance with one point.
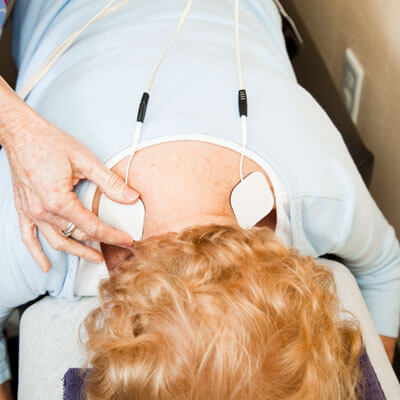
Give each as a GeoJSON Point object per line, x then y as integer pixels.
{"type": "Point", "coordinates": [185, 183]}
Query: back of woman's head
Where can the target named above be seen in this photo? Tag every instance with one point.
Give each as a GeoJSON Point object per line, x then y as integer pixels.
{"type": "Point", "coordinates": [220, 313]}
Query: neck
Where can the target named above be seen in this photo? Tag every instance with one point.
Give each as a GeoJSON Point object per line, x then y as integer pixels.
{"type": "Point", "coordinates": [176, 224]}
{"type": "Point", "coordinates": [113, 255]}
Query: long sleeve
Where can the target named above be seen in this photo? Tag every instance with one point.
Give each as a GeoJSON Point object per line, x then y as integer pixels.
{"type": "Point", "coordinates": [347, 223]}
{"type": "Point", "coordinates": [370, 249]}
{"type": "Point", "coordinates": [5, 374]}
{"type": "Point", "coordinates": [21, 280]}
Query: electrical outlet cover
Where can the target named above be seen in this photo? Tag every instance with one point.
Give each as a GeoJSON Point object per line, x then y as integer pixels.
{"type": "Point", "coordinates": [353, 76]}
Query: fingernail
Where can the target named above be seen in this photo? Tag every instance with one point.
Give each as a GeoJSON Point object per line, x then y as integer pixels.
{"type": "Point", "coordinates": [130, 194]}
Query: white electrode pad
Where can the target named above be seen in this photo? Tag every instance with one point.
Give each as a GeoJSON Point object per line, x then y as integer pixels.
{"type": "Point", "coordinates": [125, 217]}
{"type": "Point", "coordinates": [252, 200]}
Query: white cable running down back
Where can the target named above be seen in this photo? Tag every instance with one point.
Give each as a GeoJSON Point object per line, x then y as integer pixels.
{"type": "Point", "coordinates": [290, 20]}
{"type": "Point", "coordinates": [237, 40]}
{"type": "Point", "coordinates": [170, 43]}
{"type": "Point", "coordinates": [243, 127]}
{"type": "Point", "coordinates": [52, 59]}
{"type": "Point", "coordinates": [243, 118]}
{"type": "Point", "coordinates": [136, 136]}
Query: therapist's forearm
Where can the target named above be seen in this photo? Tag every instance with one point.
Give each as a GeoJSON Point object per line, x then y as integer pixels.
{"type": "Point", "coordinates": [15, 114]}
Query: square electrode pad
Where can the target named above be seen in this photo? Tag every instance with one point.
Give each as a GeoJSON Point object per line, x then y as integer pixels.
{"type": "Point", "coordinates": [126, 217]}
{"type": "Point", "coordinates": [251, 200]}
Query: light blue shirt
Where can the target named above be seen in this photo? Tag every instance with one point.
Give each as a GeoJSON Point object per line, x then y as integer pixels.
{"type": "Point", "coordinates": [93, 92]}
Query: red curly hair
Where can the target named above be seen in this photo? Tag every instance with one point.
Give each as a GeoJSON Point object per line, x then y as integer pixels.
{"type": "Point", "coordinates": [218, 313]}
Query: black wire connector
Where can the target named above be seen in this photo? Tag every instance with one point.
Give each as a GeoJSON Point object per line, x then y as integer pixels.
{"type": "Point", "coordinates": [242, 102]}
{"type": "Point", "coordinates": [143, 107]}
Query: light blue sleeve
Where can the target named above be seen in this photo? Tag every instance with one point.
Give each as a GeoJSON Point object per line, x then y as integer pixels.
{"type": "Point", "coordinates": [14, 288]}
{"type": "Point", "coordinates": [21, 280]}
{"type": "Point", "coordinates": [370, 249]}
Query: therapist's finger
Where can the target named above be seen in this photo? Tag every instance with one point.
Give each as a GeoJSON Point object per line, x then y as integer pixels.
{"type": "Point", "coordinates": [30, 238]}
{"type": "Point", "coordinates": [67, 245]}
{"type": "Point", "coordinates": [108, 182]}
{"type": "Point", "coordinates": [62, 224]}
{"type": "Point", "coordinates": [73, 210]}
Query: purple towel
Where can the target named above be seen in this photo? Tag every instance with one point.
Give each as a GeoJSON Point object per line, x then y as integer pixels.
{"type": "Point", "coordinates": [74, 384]}
{"type": "Point", "coordinates": [369, 388]}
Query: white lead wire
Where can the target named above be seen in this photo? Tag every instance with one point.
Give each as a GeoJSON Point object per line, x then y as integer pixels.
{"type": "Point", "coordinates": [243, 125]}
{"type": "Point", "coordinates": [290, 20]}
{"type": "Point", "coordinates": [135, 144]}
{"type": "Point", "coordinates": [243, 118]}
{"type": "Point", "coordinates": [170, 43]}
{"type": "Point", "coordinates": [67, 43]}
{"type": "Point", "coordinates": [64, 46]}
{"type": "Point", "coordinates": [237, 40]}
{"type": "Point", "coordinates": [136, 136]}
{"type": "Point", "coordinates": [52, 59]}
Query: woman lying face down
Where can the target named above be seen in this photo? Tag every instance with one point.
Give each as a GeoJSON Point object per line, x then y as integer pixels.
{"type": "Point", "coordinates": [218, 312]}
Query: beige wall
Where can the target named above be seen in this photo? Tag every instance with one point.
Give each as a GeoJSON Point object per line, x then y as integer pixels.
{"type": "Point", "coordinates": [372, 29]}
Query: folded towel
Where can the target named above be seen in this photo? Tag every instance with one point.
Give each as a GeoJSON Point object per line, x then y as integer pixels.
{"type": "Point", "coordinates": [74, 384]}
{"type": "Point", "coordinates": [369, 388]}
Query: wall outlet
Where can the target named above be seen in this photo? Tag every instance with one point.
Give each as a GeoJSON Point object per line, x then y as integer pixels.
{"type": "Point", "coordinates": [353, 76]}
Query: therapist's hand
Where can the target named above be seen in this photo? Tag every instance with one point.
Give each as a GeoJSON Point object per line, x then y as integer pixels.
{"type": "Point", "coordinates": [45, 164]}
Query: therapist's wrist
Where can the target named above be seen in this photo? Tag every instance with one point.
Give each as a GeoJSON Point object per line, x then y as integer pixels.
{"type": "Point", "coordinates": [15, 116]}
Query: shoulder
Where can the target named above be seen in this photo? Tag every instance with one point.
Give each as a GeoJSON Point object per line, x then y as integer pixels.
{"type": "Point", "coordinates": [319, 223]}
